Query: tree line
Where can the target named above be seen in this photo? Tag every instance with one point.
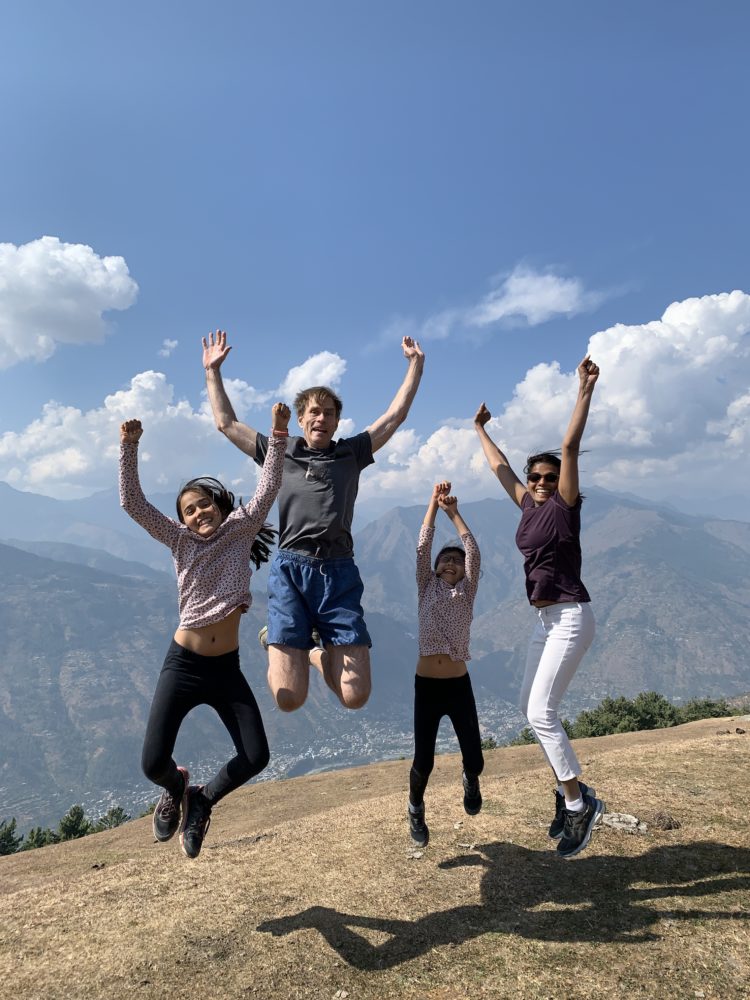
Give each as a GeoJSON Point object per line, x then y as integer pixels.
{"type": "Point", "coordinates": [73, 825]}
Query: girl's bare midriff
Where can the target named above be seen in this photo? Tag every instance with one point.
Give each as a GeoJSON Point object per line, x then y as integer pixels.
{"type": "Point", "coordinates": [212, 640]}
{"type": "Point", "coordinates": [441, 666]}
{"type": "Point", "coordinates": [543, 604]}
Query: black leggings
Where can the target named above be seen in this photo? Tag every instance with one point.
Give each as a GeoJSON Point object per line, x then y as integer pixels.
{"type": "Point", "coordinates": [187, 680]}
{"type": "Point", "coordinates": [433, 698]}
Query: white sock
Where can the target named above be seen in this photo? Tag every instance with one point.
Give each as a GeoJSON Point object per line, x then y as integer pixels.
{"type": "Point", "coordinates": [574, 805]}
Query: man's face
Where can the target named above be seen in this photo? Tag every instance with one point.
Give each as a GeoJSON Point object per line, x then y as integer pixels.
{"type": "Point", "coordinates": [319, 422]}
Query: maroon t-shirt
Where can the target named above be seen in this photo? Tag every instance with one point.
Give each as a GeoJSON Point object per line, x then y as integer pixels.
{"type": "Point", "coordinates": [549, 538]}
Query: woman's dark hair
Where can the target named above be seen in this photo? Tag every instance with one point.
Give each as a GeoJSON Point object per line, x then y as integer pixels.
{"type": "Point", "coordinates": [449, 548]}
{"type": "Point", "coordinates": [217, 493]}
{"type": "Point", "coordinates": [547, 457]}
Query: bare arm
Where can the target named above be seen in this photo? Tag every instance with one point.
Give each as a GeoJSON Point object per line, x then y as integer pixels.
{"type": "Point", "coordinates": [496, 459]}
{"type": "Point", "coordinates": [568, 487]}
{"type": "Point", "coordinates": [383, 429]}
{"type": "Point", "coordinates": [214, 353]}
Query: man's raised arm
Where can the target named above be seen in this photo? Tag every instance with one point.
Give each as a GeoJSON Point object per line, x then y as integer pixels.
{"type": "Point", "coordinates": [383, 429]}
{"type": "Point", "coordinates": [215, 351]}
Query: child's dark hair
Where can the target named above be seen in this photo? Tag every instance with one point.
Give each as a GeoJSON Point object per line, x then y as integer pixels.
{"type": "Point", "coordinates": [260, 550]}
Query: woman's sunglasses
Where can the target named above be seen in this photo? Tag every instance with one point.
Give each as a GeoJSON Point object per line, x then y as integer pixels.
{"type": "Point", "coordinates": [547, 477]}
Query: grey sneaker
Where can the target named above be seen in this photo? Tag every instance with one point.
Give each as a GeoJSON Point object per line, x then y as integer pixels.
{"type": "Point", "coordinates": [558, 823]}
{"type": "Point", "coordinates": [196, 821]}
{"type": "Point", "coordinates": [262, 637]}
{"type": "Point", "coordinates": [420, 834]}
{"type": "Point", "coordinates": [578, 827]}
{"type": "Point", "coordinates": [472, 794]}
{"type": "Point", "coordinates": [166, 819]}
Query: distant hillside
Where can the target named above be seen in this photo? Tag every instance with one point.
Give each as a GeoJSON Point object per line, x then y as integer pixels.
{"type": "Point", "coordinates": [310, 889]}
{"type": "Point", "coordinates": [84, 635]}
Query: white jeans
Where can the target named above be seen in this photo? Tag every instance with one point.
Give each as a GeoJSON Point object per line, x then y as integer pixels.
{"type": "Point", "coordinates": [558, 643]}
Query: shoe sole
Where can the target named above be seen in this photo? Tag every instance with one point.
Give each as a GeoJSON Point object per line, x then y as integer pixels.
{"type": "Point", "coordinates": [183, 807]}
{"type": "Point", "coordinates": [589, 791]}
{"type": "Point", "coordinates": [473, 812]}
{"type": "Point", "coordinates": [598, 810]}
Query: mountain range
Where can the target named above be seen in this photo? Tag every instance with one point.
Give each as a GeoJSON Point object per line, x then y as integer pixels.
{"type": "Point", "coordinates": [88, 606]}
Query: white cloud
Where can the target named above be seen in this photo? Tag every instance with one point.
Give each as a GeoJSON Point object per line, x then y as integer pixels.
{"type": "Point", "coordinates": [524, 296]}
{"type": "Point", "coordinates": [671, 412]}
{"type": "Point", "coordinates": [324, 368]}
{"type": "Point", "coordinates": [56, 293]}
{"type": "Point", "coordinates": [68, 452]}
{"type": "Point", "coordinates": [532, 297]}
{"type": "Point", "coordinates": [167, 346]}
{"type": "Point", "coordinates": [670, 415]}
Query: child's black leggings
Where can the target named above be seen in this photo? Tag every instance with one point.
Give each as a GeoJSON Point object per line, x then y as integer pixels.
{"type": "Point", "coordinates": [433, 698]}
{"type": "Point", "coordinates": [187, 680]}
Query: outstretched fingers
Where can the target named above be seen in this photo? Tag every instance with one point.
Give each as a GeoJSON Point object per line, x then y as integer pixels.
{"type": "Point", "coordinates": [215, 349]}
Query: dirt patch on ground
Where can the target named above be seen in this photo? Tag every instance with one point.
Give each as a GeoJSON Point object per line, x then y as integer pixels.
{"type": "Point", "coordinates": [310, 888]}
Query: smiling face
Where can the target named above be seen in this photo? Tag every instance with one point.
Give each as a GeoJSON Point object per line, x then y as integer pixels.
{"type": "Point", "coordinates": [542, 481]}
{"type": "Point", "coordinates": [450, 566]}
{"type": "Point", "coordinates": [319, 421]}
{"type": "Point", "coordinates": [199, 513]}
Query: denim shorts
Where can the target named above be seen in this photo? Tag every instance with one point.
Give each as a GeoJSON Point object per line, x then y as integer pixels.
{"type": "Point", "coordinates": [305, 592]}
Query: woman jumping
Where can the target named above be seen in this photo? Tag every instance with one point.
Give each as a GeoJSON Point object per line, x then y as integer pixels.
{"type": "Point", "coordinates": [442, 685]}
{"type": "Point", "coordinates": [212, 546]}
{"type": "Point", "coordinates": [549, 539]}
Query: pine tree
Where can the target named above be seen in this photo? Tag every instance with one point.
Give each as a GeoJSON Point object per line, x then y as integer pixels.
{"type": "Point", "coordinates": [74, 824]}
{"type": "Point", "coordinates": [9, 842]}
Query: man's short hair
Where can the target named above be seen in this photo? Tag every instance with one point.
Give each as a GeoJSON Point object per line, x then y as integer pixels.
{"type": "Point", "coordinates": [318, 394]}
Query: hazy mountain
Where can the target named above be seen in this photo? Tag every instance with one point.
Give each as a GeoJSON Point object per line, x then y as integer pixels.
{"type": "Point", "coordinates": [83, 636]}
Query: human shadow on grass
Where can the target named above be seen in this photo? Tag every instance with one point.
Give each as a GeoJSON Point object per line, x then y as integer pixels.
{"type": "Point", "coordinates": [536, 895]}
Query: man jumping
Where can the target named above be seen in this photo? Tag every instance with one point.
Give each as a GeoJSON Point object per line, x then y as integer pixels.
{"type": "Point", "coordinates": [314, 582]}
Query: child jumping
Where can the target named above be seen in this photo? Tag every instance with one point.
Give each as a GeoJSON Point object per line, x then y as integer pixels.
{"type": "Point", "coordinates": [442, 685]}
{"type": "Point", "coordinates": [212, 546]}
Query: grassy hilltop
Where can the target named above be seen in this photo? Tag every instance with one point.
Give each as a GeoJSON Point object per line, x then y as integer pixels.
{"type": "Point", "coordinates": [310, 888]}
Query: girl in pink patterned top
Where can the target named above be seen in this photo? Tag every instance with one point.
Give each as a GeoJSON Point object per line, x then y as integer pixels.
{"type": "Point", "coordinates": [212, 546]}
{"type": "Point", "coordinates": [442, 686]}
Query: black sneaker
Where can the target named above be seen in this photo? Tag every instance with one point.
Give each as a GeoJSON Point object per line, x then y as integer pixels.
{"type": "Point", "coordinates": [472, 795]}
{"type": "Point", "coordinates": [166, 820]}
{"type": "Point", "coordinates": [558, 823]}
{"type": "Point", "coordinates": [197, 819]}
{"type": "Point", "coordinates": [578, 827]}
{"type": "Point", "coordinates": [420, 835]}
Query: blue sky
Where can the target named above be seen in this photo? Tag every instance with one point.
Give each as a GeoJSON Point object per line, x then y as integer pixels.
{"type": "Point", "coordinates": [503, 180]}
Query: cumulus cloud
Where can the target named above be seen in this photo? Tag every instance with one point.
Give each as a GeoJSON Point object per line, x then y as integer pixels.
{"type": "Point", "coordinates": [523, 297]}
{"type": "Point", "coordinates": [671, 409]}
{"type": "Point", "coordinates": [68, 452]}
{"type": "Point", "coordinates": [167, 346]}
{"type": "Point", "coordinates": [56, 293]}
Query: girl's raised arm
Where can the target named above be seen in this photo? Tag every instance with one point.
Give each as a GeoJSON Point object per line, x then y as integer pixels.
{"type": "Point", "coordinates": [568, 487]}
{"type": "Point", "coordinates": [496, 459]}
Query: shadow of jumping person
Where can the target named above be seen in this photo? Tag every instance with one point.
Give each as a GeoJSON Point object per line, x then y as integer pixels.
{"type": "Point", "coordinates": [536, 895]}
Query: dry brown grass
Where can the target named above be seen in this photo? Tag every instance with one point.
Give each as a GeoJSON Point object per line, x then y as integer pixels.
{"type": "Point", "coordinates": [309, 888]}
